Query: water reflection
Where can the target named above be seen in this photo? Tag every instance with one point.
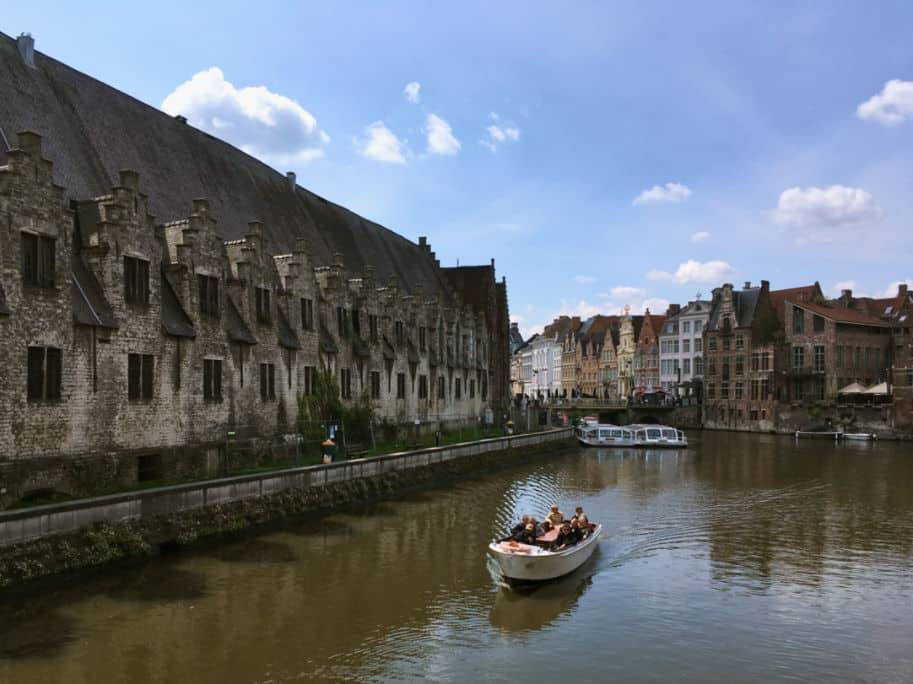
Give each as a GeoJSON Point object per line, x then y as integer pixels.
{"type": "Point", "coordinates": [524, 608]}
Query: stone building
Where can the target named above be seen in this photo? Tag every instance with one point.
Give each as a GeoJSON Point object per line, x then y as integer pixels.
{"type": "Point", "coordinates": [569, 367]}
{"type": "Point", "coordinates": [625, 352]}
{"type": "Point", "coordinates": [147, 314]}
{"type": "Point", "coordinates": [646, 355]}
{"type": "Point", "coordinates": [681, 349]}
{"type": "Point", "coordinates": [590, 341]}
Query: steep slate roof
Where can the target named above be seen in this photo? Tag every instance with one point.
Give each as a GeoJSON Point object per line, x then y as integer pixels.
{"type": "Point", "coordinates": [744, 303]}
{"type": "Point", "coordinates": [91, 131]}
{"type": "Point", "coordinates": [89, 304]}
{"type": "Point", "coordinates": [175, 321]}
{"type": "Point", "coordinates": [235, 326]}
{"type": "Point", "coordinates": [285, 334]}
{"type": "Point", "coordinates": [841, 314]}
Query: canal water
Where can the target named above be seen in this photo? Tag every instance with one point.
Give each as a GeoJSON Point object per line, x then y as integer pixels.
{"type": "Point", "coordinates": [745, 558]}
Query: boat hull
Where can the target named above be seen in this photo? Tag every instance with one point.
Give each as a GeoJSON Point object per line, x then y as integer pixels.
{"type": "Point", "coordinates": [543, 566]}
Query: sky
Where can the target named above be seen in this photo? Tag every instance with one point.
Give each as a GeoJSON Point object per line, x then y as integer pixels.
{"type": "Point", "coordinates": [602, 153]}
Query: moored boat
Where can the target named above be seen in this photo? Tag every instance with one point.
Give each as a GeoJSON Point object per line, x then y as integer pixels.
{"type": "Point", "coordinates": [658, 436]}
{"type": "Point", "coordinates": [604, 435]}
{"type": "Point", "coordinates": [525, 563]}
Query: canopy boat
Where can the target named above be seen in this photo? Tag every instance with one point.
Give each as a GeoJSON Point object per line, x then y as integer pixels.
{"type": "Point", "coordinates": [604, 435]}
{"type": "Point", "coordinates": [860, 436]}
{"type": "Point", "coordinates": [657, 436]}
{"type": "Point", "coordinates": [525, 563]}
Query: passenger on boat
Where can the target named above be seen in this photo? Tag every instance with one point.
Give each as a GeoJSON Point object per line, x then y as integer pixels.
{"type": "Point", "coordinates": [528, 535]}
{"type": "Point", "coordinates": [578, 514]}
{"type": "Point", "coordinates": [581, 529]}
{"type": "Point", "coordinates": [520, 526]}
{"type": "Point", "coordinates": [566, 537]}
{"type": "Point", "coordinates": [555, 517]}
{"type": "Point", "coordinates": [536, 526]}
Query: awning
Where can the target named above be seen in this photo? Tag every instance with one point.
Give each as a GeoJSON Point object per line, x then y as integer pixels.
{"type": "Point", "coordinates": [881, 389]}
{"type": "Point", "coordinates": [852, 388]}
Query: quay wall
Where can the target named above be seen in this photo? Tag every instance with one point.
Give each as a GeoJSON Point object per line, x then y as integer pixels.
{"type": "Point", "coordinates": [45, 540]}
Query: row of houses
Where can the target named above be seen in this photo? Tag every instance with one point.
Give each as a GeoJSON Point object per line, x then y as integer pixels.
{"type": "Point", "coordinates": [751, 355]}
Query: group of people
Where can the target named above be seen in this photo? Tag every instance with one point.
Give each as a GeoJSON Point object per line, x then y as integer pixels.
{"type": "Point", "coordinates": [570, 531]}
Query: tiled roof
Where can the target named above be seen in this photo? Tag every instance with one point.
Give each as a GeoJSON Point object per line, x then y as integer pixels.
{"type": "Point", "coordinates": [285, 334]}
{"type": "Point", "coordinates": [89, 304]}
{"type": "Point", "coordinates": [235, 326]}
{"type": "Point", "coordinates": [841, 314]}
{"type": "Point", "coordinates": [796, 295]}
{"type": "Point", "coordinates": [91, 131]}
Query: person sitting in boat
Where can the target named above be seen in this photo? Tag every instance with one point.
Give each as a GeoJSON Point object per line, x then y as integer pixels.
{"type": "Point", "coordinates": [517, 529]}
{"type": "Point", "coordinates": [555, 517]}
{"type": "Point", "coordinates": [528, 535]}
{"type": "Point", "coordinates": [581, 529]}
{"type": "Point", "coordinates": [566, 537]}
{"type": "Point", "coordinates": [578, 514]}
{"type": "Point", "coordinates": [536, 526]}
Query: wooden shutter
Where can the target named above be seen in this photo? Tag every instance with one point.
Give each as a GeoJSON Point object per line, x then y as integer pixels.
{"type": "Point", "coordinates": [53, 371]}
{"type": "Point", "coordinates": [148, 367]}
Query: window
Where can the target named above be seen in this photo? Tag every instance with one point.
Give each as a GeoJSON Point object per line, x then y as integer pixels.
{"type": "Point", "coordinates": [738, 389]}
{"type": "Point", "coordinates": [485, 388]}
{"type": "Point", "coordinates": [308, 384]}
{"type": "Point", "coordinates": [675, 346]}
{"type": "Point", "coordinates": [739, 366]}
{"type": "Point", "coordinates": [261, 295]}
{"type": "Point", "coordinates": [712, 344]}
{"type": "Point", "coordinates": [422, 386]}
{"type": "Point", "coordinates": [819, 357]}
{"type": "Point", "coordinates": [711, 390]}
{"type": "Point", "coordinates": [725, 369]}
{"type": "Point", "coordinates": [765, 389]}
{"type": "Point", "coordinates": [698, 365]}
{"type": "Point", "coordinates": [37, 260]}
{"type": "Point", "coordinates": [724, 390]}
{"type": "Point", "coordinates": [208, 288]}
{"type": "Point", "coordinates": [755, 390]}
{"type": "Point", "coordinates": [753, 414]}
{"type": "Point", "coordinates": [818, 323]}
{"type": "Point", "coordinates": [457, 389]}
{"type": "Point", "coordinates": [441, 387]}
{"type": "Point", "coordinates": [755, 361]}
{"type": "Point", "coordinates": [372, 327]}
{"type": "Point", "coordinates": [686, 346]}
{"type": "Point", "coordinates": [399, 332]}
{"type": "Point", "coordinates": [686, 326]}
{"type": "Point", "coordinates": [726, 344]}
{"type": "Point", "coordinates": [44, 372]}
{"type": "Point", "coordinates": [356, 322]}
{"type": "Point", "coordinates": [910, 376]}
{"type": "Point", "coordinates": [136, 281]}
{"type": "Point", "coordinates": [139, 376]}
{"type": "Point", "coordinates": [797, 388]}
{"type": "Point", "coordinates": [422, 339]}
{"type": "Point", "coordinates": [472, 389]}
{"type": "Point", "coordinates": [739, 342]}
{"type": "Point", "coordinates": [375, 384]}
{"type": "Point", "coordinates": [400, 385]}
{"type": "Point", "coordinates": [345, 383]}
{"type": "Point", "coordinates": [798, 357]}
{"type": "Point", "coordinates": [212, 379]}
{"type": "Point", "coordinates": [686, 366]}
{"type": "Point", "coordinates": [711, 366]}
{"type": "Point", "coordinates": [765, 361]}
{"type": "Point", "coordinates": [698, 344]}
{"type": "Point", "coordinates": [798, 320]}
{"type": "Point", "coordinates": [698, 327]}
{"type": "Point", "coordinates": [342, 322]}
{"type": "Point", "coordinates": [307, 314]}
{"type": "Point", "coordinates": [267, 382]}
{"type": "Point", "coordinates": [819, 388]}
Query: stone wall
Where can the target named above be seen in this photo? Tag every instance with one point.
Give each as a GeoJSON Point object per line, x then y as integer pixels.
{"type": "Point", "coordinates": [49, 539]}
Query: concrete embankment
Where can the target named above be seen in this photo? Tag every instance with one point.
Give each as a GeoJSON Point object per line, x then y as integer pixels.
{"type": "Point", "coordinates": [45, 540]}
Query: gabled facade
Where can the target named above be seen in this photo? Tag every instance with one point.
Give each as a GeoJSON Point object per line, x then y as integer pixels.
{"type": "Point", "coordinates": [681, 349]}
{"type": "Point", "coordinates": [646, 357]}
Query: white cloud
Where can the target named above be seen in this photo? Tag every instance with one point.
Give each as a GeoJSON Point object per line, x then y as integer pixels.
{"type": "Point", "coordinates": [712, 272]}
{"type": "Point", "coordinates": [891, 290]}
{"type": "Point", "coordinates": [670, 193]}
{"type": "Point", "coordinates": [264, 124]}
{"type": "Point", "coordinates": [381, 144]}
{"type": "Point", "coordinates": [412, 91]}
{"type": "Point", "coordinates": [833, 206]}
{"type": "Point", "coordinates": [499, 132]}
{"type": "Point", "coordinates": [625, 293]}
{"type": "Point", "coordinates": [699, 236]}
{"type": "Point", "coordinates": [440, 136]}
{"type": "Point", "coordinates": [657, 305]}
{"type": "Point", "coordinates": [892, 106]}
{"type": "Point", "coordinates": [584, 280]}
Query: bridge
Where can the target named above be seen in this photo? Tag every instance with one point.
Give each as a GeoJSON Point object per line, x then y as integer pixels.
{"type": "Point", "coordinates": [620, 413]}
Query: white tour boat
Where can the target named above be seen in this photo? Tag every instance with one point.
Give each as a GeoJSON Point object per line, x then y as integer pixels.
{"type": "Point", "coordinates": [658, 436]}
{"type": "Point", "coordinates": [525, 563]}
{"type": "Point", "coordinates": [604, 435]}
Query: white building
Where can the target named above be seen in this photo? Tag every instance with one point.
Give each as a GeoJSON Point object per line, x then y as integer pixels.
{"type": "Point", "coordinates": [681, 348]}
{"type": "Point", "coordinates": [545, 378]}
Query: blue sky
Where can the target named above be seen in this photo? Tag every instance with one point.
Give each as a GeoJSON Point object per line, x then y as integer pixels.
{"type": "Point", "coordinates": [623, 153]}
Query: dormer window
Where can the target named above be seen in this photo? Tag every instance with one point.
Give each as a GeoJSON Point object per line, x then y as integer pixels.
{"type": "Point", "coordinates": [38, 260]}
{"type": "Point", "coordinates": [136, 281]}
{"type": "Point", "coordinates": [208, 287]}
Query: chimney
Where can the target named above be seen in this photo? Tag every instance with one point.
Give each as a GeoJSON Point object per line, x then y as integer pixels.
{"type": "Point", "coordinates": [26, 45]}
{"type": "Point", "coordinates": [902, 289]}
{"type": "Point", "coordinates": [846, 295]}
{"type": "Point", "coordinates": [291, 179]}
{"type": "Point", "coordinates": [180, 118]}
{"type": "Point", "coordinates": [422, 241]}
{"type": "Point", "coordinates": [129, 179]}
{"type": "Point", "coordinates": [747, 285]}
{"type": "Point", "coordinates": [29, 142]}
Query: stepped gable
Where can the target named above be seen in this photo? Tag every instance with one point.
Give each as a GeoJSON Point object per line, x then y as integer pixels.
{"type": "Point", "coordinates": [807, 294]}
{"type": "Point", "coordinates": [90, 131]}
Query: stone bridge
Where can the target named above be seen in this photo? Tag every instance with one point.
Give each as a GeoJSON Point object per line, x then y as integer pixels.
{"type": "Point", "coordinates": [682, 417]}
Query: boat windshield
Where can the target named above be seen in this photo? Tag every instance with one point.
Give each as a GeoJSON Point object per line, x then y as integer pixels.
{"type": "Point", "coordinates": [670, 433]}
{"type": "Point", "coordinates": [654, 433]}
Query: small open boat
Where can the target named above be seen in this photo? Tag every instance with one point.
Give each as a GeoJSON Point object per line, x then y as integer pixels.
{"type": "Point", "coordinates": [525, 563]}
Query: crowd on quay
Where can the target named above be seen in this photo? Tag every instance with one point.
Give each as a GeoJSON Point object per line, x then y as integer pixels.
{"type": "Point", "coordinates": [569, 531]}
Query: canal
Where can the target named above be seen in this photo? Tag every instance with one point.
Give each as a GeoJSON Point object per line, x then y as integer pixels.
{"type": "Point", "coordinates": [744, 558]}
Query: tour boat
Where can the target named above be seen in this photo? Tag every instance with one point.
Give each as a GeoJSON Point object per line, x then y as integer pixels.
{"type": "Point", "coordinates": [604, 435]}
{"type": "Point", "coordinates": [524, 563]}
{"type": "Point", "coordinates": [657, 436]}
{"type": "Point", "coordinates": [860, 436]}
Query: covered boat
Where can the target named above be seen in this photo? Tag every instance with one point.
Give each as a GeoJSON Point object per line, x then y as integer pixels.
{"type": "Point", "coordinates": [658, 436]}
{"type": "Point", "coordinates": [604, 435]}
{"type": "Point", "coordinates": [524, 563]}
